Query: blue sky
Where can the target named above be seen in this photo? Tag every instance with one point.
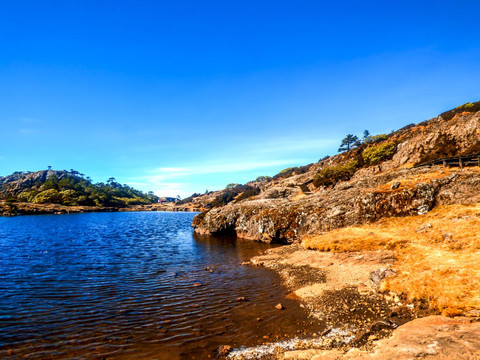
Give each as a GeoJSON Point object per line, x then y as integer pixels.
{"type": "Point", "coordinates": [183, 96]}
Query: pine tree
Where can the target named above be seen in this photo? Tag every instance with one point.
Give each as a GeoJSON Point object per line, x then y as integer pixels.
{"type": "Point", "coordinates": [347, 142]}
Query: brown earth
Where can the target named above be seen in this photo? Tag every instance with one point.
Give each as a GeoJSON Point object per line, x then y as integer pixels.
{"type": "Point", "coordinates": [344, 290]}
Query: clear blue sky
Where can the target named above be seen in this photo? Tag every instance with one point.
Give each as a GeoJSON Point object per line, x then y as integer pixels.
{"type": "Point", "coordinates": [183, 96]}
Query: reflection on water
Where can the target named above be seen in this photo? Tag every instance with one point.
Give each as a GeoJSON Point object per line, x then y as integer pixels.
{"type": "Point", "coordinates": [133, 286]}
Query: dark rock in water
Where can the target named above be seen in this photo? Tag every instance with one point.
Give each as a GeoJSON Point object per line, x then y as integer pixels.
{"type": "Point", "coordinates": [242, 299]}
{"type": "Point", "coordinates": [224, 350]}
{"type": "Point", "coordinates": [197, 284]}
{"type": "Point", "coordinates": [279, 306]}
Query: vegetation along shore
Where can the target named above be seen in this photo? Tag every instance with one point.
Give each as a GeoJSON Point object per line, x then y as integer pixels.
{"type": "Point", "coordinates": [66, 192]}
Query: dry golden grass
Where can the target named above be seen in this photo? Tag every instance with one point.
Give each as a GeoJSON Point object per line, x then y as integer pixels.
{"type": "Point", "coordinates": [438, 254]}
{"type": "Point", "coordinates": [412, 180]}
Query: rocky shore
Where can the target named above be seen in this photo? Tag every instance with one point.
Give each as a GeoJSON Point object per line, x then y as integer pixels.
{"type": "Point", "coordinates": [386, 252]}
{"type": "Point", "coordinates": [291, 207]}
{"type": "Point", "coordinates": [361, 322]}
{"type": "Point", "coordinates": [24, 208]}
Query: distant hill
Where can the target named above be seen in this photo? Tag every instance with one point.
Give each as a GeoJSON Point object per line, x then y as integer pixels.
{"type": "Point", "coordinates": [69, 188]}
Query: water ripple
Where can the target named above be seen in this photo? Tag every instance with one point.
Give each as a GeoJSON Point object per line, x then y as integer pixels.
{"type": "Point", "coordinates": [130, 286]}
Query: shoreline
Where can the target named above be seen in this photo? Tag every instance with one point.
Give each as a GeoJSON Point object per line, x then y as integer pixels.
{"type": "Point", "coordinates": [344, 290]}
{"type": "Point", "coordinates": [23, 208]}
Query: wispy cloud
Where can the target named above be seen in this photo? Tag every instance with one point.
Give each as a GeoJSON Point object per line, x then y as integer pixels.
{"type": "Point", "coordinates": [242, 160]}
{"type": "Point", "coordinates": [184, 180]}
{"type": "Point", "coordinates": [218, 168]}
{"type": "Point", "coordinates": [27, 131]}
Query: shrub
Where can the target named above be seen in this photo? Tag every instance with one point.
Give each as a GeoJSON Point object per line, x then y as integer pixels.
{"type": "Point", "coordinates": [231, 186]}
{"type": "Point", "coordinates": [248, 194]}
{"type": "Point", "coordinates": [27, 196]}
{"type": "Point", "coordinates": [263, 178]}
{"type": "Point", "coordinates": [378, 153]}
{"type": "Point", "coordinates": [333, 174]}
{"type": "Point", "coordinates": [224, 198]}
{"type": "Point", "coordinates": [229, 195]}
{"type": "Point", "coordinates": [47, 196]}
{"type": "Point", "coordinates": [375, 138]}
{"type": "Point", "coordinates": [286, 173]}
{"type": "Point", "coordinates": [468, 107]}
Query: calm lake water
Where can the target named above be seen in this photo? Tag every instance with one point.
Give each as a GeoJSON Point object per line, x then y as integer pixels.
{"type": "Point", "coordinates": [132, 286]}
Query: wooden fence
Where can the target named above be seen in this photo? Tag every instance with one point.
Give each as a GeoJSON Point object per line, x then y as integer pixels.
{"type": "Point", "coordinates": [455, 161]}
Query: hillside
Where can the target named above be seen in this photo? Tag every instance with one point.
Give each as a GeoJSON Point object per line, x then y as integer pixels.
{"type": "Point", "coordinates": [380, 177]}
{"type": "Point", "coordinates": [392, 226]}
{"type": "Point", "coordinates": [35, 190]}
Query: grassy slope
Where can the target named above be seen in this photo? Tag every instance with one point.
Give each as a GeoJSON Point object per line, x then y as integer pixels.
{"type": "Point", "coordinates": [438, 254]}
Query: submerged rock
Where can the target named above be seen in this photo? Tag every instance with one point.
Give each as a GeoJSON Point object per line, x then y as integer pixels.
{"type": "Point", "coordinates": [224, 350]}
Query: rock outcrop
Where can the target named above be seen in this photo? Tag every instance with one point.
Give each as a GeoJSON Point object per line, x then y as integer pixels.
{"type": "Point", "coordinates": [361, 200]}
{"type": "Point", "coordinates": [432, 337]}
{"type": "Point", "coordinates": [288, 209]}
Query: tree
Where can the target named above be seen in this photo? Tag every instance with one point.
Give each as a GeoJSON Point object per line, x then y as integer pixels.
{"type": "Point", "coordinates": [263, 178]}
{"type": "Point", "coordinates": [347, 142]}
{"type": "Point", "coordinates": [366, 134]}
{"type": "Point", "coordinates": [74, 172]}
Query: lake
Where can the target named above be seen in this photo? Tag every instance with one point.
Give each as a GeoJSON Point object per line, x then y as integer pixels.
{"type": "Point", "coordinates": [133, 285]}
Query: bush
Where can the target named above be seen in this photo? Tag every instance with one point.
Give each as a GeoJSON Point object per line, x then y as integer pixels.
{"type": "Point", "coordinates": [378, 153]}
{"type": "Point", "coordinates": [468, 107]}
{"type": "Point", "coordinates": [263, 178]}
{"type": "Point", "coordinates": [224, 198]}
{"type": "Point", "coordinates": [231, 186]}
{"type": "Point", "coordinates": [375, 138]}
{"type": "Point", "coordinates": [333, 174]}
{"type": "Point", "coordinates": [286, 173]}
{"type": "Point", "coordinates": [229, 195]}
{"type": "Point", "coordinates": [27, 196]}
{"type": "Point", "coordinates": [248, 194]}
{"type": "Point", "coordinates": [47, 196]}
